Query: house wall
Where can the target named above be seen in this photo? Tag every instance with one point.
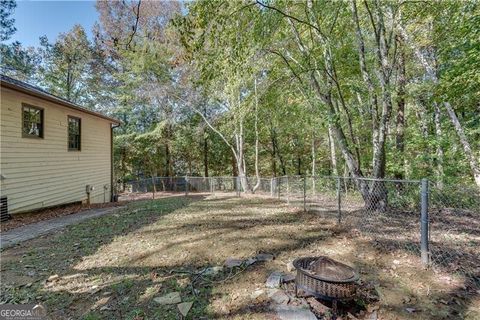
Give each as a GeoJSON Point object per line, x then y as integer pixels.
{"type": "Point", "coordinates": [42, 172]}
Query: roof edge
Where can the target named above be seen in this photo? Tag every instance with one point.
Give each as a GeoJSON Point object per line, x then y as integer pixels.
{"type": "Point", "coordinates": [38, 93]}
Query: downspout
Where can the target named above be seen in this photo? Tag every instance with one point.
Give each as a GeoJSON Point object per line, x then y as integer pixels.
{"type": "Point", "coordinates": [111, 162]}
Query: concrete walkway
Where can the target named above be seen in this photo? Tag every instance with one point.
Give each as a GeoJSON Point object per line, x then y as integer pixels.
{"type": "Point", "coordinates": [12, 237]}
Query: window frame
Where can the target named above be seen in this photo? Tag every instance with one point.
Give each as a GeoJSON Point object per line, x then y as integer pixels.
{"type": "Point", "coordinates": [79, 133]}
{"type": "Point", "coordinates": [42, 122]}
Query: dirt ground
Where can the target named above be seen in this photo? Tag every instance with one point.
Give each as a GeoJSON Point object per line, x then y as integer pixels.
{"type": "Point", "coordinates": [112, 267]}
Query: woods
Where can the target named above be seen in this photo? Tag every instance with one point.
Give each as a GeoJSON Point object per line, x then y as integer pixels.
{"type": "Point", "coordinates": [269, 88]}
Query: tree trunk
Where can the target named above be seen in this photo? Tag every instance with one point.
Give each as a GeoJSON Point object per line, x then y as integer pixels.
{"type": "Point", "coordinates": [400, 120]}
{"type": "Point", "coordinates": [167, 160]}
{"type": "Point", "coordinates": [333, 155]}
{"type": "Point", "coordinates": [273, 152]}
{"type": "Point", "coordinates": [205, 147]}
{"type": "Point", "coordinates": [473, 161]}
{"type": "Point", "coordinates": [257, 170]}
{"type": "Point", "coordinates": [438, 133]}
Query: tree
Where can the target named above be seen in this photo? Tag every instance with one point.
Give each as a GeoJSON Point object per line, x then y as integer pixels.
{"type": "Point", "coordinates": [7, 27]}
{"type": "Point", "coordinates": [66, 62]}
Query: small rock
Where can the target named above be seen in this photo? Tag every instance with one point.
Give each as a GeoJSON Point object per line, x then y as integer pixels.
{"type": "Point", "coordinates": [53, 278]}
{"type": "Point", "coordinates": [274, 280]}
{"type": "Point", "coordinates": [104, 308]}
{"type": "Point", "coordinates": [250, 261]}
{"type": "Point", "coordinates": [31, 273]}
{"type": "Point", "coordinates": [319, 308]}
{"type": "Point", "coordinates": [264, 257]}
{"type": "Point", "coordinates": [286, 312]}
{"type": "Point", "coordinates": [279, 296]}
{"type": "Point", "coordinates": [290, 266]}
{"type": "Point", "coordinates": [288, 277]}
{"type": "Point", "coordinates": [212, 271]}
{"type": "Point", "coordinates": [169, 298]}
{"type": "Point", "coordinates": [257, 293]}
{"type": "Point", "coordinates": [373, 315]}
{"type": "Point", "coordinates": [184, 307]}
{"type": "Point", "coordinates": [106, 293]}
{"type": "Point", "coordinates": [232, 262]}
{"type": "Point", "coordinates": [410, 310]}
{"type": "Point", "coordinates": [396, 262]}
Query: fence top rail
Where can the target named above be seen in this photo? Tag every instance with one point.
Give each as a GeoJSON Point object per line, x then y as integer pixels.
{"type": "Point", "coordinates": [371, 179]}
{"type": "Point", "coordinates": [279, 177]}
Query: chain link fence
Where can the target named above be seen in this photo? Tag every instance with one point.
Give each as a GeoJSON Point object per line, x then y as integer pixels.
{"type": "Point", "coordinates": [439, 225]}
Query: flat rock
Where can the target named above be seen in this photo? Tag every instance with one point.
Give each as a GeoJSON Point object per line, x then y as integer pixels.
{"type": "Point", "coordinates": [184, 307]}
{"type": "Point", "coordinates": [264, 257]}
{"type": "Point", "coordinates": [169, 298]}
{"type": "Point", "coordinates": [274, 280]}
{"type": "Point", "coordinates": [286, 312]}
{"type": "Point", "coordinates": [289, 277]}
{"type": "Point", "coordinates": [232, 262]}
{"type": "Point", "coordinates": [279, 296]}
{"type": "Point", "coordinates": [319, 308]}
{"type": "Point", "coordinates": [257, 293]}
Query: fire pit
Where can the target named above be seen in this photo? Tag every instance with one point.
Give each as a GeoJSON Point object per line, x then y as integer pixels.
{"type": "Point", "coordinates": [325, 278]}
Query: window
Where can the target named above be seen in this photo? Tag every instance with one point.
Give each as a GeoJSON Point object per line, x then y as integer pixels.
{"type": "Point", "coordinates": [32, 120]}
{"type": "Point", "coordinates": [74, 132]}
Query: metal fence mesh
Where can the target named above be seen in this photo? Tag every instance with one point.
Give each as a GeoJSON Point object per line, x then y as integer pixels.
{"type": "Point", "coordinates": [389, 212]}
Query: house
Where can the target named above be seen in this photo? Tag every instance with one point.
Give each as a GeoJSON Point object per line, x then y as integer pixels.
{"type": "Point", "coordinates": [52, 151]}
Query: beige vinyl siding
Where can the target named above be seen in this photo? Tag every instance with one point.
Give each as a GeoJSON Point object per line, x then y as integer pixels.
{"type": "Point", "coordinates": [42, 172]}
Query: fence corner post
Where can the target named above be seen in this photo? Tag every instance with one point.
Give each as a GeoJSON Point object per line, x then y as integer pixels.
{"type": "Point", "coordinates": [186, 186]}
{"type": "Point", "coordinates": [424, 245]}
{"type": "Point", "coordinates": [339, 201]}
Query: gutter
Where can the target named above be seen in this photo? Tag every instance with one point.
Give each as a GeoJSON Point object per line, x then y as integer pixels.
{"type": "Point", "coordinates": [54, 99]}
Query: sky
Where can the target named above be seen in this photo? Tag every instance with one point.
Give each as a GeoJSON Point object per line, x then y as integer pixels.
{"type": "Point", "coordinates": [36, 18]}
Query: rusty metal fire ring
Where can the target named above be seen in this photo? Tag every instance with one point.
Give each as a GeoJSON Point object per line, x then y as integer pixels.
{"type": "Point", "coordinates": [325, 278]}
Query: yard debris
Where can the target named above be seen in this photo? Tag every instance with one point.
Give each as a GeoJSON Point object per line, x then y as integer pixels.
{"type": "Point", "coordinates": [169, 298]}
{"type": "Point", "coordinates": [274, 280]}
{"type": "Point", "coordinates": [232, 263]}
{"type": "Point", "coordinates": [410, 310]}
{"type": "Point", "coordinates": [184, 308]}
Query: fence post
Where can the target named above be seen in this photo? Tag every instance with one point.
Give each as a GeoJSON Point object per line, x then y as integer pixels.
{"type": "Point", "coordinates": [339, 201]}
{"type": "Point", "coordinates": [288, 192]}
{"type": "Point", "coordinates": [271, 187]}
{"type": "Point", "coordinates": [278, 185]}
{"type": "Point", "coordinates": [186, 186]}
{"type": "Point", "coordinates": [238, 186]}
{"type": "Point", "coordinates": [425, 252]}
{"type": "Point", "coordinates": [304, 194]}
